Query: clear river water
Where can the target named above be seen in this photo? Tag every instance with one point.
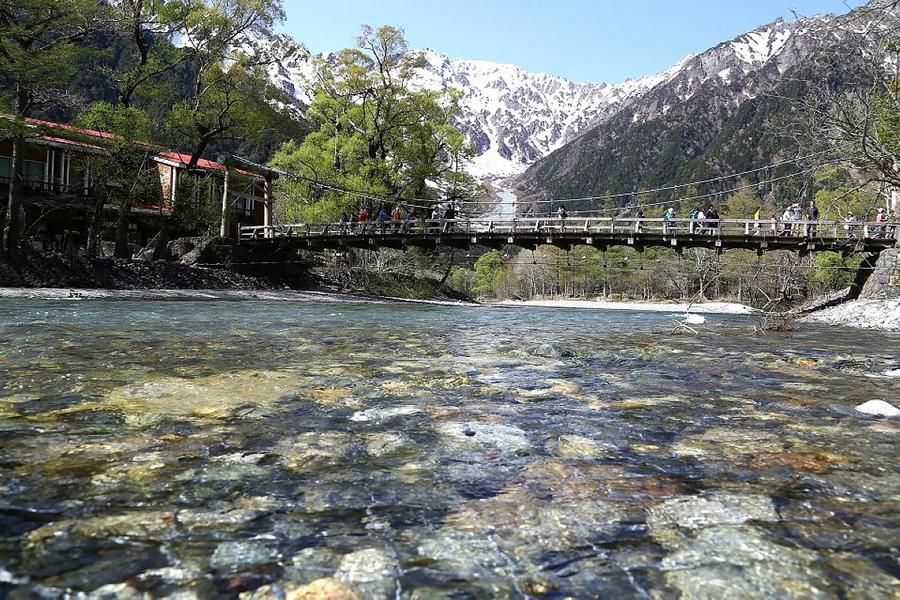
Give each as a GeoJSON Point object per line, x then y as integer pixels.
{"type": "Point", "coordinates": [270, 450]}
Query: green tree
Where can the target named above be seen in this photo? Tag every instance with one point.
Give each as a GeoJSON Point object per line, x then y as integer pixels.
{"type": "Point", "coordinates": [490, 269]}
{"type": "Point", "coordinates": [374, 133]}
{"type": "Point", "coordinates": [38, 52]}
{"type": "Point", "coordinates": [123, 172]}
{"type": "Point", "coordinates": [146, 28]}
{"type": "Point", "coordinates": [230, 42]}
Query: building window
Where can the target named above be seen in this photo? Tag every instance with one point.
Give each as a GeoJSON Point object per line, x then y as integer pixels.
{"type": "Point", "coordinates": [34, 173]}
{"type": "Point", "coordinates": [244, 206]}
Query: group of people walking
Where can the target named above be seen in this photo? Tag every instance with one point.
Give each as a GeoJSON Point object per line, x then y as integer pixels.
{"type": "Point", "coordinates": [398, 220]}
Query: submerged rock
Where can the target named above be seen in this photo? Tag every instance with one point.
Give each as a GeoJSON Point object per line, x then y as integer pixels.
{"type": "Point", "coordinates": [382, 414]}
{"type": "Point", "coordinates": [475, 435]}
{"type": "Point", "coordinates": [383, 443]}
{"type": "Point", "coordinates": [326, 588]}
{"type": "Point", "coordinates": [714, 509]}
{"type": "Point", "coordinates": [878, 408]}
{"type": "Point", "coordinates": [315, 449]}
{"type": "Point", "coordinates": [551, 351]}
{"type": "Point", "coordinates": [725, 561]}
{"type": "Point", "coordinates": [234, 556]}
{"type": "Point", "coordinates": [371, 572]}
{"type": "Point", "coordinates": [576, 446]}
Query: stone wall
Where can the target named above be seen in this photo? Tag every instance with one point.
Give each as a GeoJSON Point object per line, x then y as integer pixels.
{"type": "Point", "coordinates": [884, 282]}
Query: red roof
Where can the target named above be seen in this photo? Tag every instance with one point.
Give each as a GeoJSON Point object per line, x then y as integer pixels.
{"type": "Point", "coordinates": [91, 132]}
{"type": "Point", "coordinates": [185, 160]}
{"type": "Point", "coordinates": [177, 157]}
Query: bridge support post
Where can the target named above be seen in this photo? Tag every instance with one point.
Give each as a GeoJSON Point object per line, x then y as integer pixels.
{"type": "Point", "coordinates": [267, 206]}
{"type": "Point", "coordinates": [223, 226]}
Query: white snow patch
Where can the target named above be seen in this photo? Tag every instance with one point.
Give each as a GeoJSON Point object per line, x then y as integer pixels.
{"type": "Point", "coordinates": [759, 46]}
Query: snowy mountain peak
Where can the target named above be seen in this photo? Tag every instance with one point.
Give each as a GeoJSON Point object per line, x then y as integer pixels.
{"type": "Point", "coordinates": [761, 44]}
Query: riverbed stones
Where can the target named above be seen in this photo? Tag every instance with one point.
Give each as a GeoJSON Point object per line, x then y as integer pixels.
{"type": "Point", "coordinates": [727, 561]}
{"type": "Point", "coordinates": [479, 436]}
{"type": "Point", "coordinates": [380, 414]}
{"type": "Point", "coordinates": [878, 408]}
{"type": "Point", "coordinates": [316, 449]}
{"type": "Point", "coordinates": [245, 394]}
{"type": "Point", "coordinates": [717, 508]}
{"type": "Point", "coordinates": [372, 573]}
{"type": "Point", "coordinates": [326, 588]}
{"type": "Point", "coordinates": [384, 443]}
{"type": "Point", "coordinates": [576, 446]}
{"type": "Point", "coordinates": [229, 557]}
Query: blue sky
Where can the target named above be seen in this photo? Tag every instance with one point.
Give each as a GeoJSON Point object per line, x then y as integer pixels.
{"type": "Point", "coordinates": [600, 40]}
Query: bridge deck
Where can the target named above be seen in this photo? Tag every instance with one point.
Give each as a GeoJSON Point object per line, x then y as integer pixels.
{"type": "Point", "coordinates": [802, 236]}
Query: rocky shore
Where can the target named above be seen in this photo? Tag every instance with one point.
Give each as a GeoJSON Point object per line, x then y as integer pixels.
{"type": "Point", "coordinates": [27, 269]}
{"type": "Point", "coordinates": [880, 314]}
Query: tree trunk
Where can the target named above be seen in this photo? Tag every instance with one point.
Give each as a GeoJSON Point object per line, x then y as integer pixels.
{"type": "Point", "coordinates": [122, 230]}
{"type": "Point", "coordinates": [93, 233]}
{"type": "Point", "coordinates": [12, 226]}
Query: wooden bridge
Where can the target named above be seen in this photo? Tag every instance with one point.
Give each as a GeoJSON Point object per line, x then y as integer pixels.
{"type": "Point", "coordinates": [599, 232]}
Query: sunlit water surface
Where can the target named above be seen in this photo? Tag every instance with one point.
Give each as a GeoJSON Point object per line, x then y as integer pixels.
{"type": "Point", "coordinates": [224, 449]}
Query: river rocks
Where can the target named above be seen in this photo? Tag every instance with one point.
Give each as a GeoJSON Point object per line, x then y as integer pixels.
{"type": "Point", "coordinates": [551, 351]}
{"type": "Point", "coordinates": [732, 442]}
{"type": "Point", "coordinates": [714, 509]}
{"type": "Point", "coordinates": [384, 443]}
{"type": "Point", "coordinates": [576, 446]}
{"type": "Point", "coordinates": [326, 588]}
{"type": "Point", "coordinates": [245, 394]}
{"type": "Point", "coordinates": [466, 554]}
{"type": "Point", "coordinates": [234, 556]}
{"type": "Point", "coordinates": [371, 572]}
{"type": "Point", "coordinates": [479, 436]}
{"type": "Point", "coordinates": [878, 408]}
{"type": "Point", "coordinates": [742, 562]}
{"type": "Point", "coordinates": [383, 414]}
{"type": "Point", "coordinates": [315, 449]}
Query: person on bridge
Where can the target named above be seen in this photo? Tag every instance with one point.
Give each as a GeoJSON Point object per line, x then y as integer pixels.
{"type": "Point", "coordinates": [639, 218]}
{"type": "Point", "coordinates": [345, 223]}
{"type": "Point", "coordinates": [434, 223]}
{"type": "Point", "coordinates": [701, 222]}
{"type": "Point", "coordinates": [713, 218]}
{"type": "Point", "coordinates": [812, 214]}
{"type": "Point", "coordinates": [668, 219]}
{"type": "Point", "coordinates": [450, 218]}
{"type": "Point", "coordinates": [880, 220]}
{"type": "Point", "coordinates": [409, 220]}
{"type": "Point", "coordinates": [562, 214]}
{"type": "Point", "coordinates": [382, 218]}
{"type": "Point", "coordinates": [396, 218]}
{"type": "Point", "coordinates": [786, 219]}
{"type": "Point", "coordinates": [361, 219]}
{"type": "Point", "coordinates": [756, 217]}
{"type": "Point", "coordinates": [849, 223]}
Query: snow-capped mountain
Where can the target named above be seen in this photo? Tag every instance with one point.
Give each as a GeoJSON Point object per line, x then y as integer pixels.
{"type": "Point", "coordinates": [719, 111]}
{"type": "Point", "coordinates": [512, 117]}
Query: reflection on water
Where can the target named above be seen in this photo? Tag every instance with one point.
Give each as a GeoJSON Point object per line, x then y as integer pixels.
{"type": "Point", "coordinates": [225, 449]}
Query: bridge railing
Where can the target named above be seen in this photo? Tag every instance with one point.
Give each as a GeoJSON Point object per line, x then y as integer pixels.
{"type": "Point", "coordinates": [581, 225]}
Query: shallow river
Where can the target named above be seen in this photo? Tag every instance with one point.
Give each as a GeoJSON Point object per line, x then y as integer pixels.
{"type": "Point", "coordinates": [221, 449]}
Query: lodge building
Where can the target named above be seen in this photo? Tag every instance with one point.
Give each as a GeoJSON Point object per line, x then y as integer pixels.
{"type": "Point", "coordinates": [58, 193]}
